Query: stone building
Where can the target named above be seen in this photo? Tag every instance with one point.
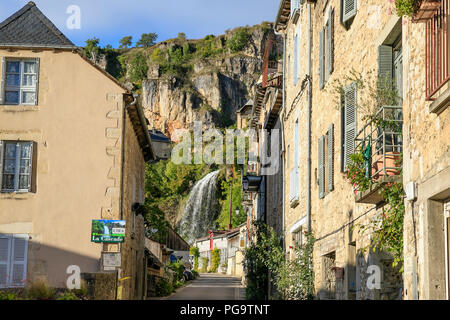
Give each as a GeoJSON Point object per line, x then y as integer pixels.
{"type": "Point", "coordinates": [336, 53]}
{"type": "Point", "coordinates": [73, 148]}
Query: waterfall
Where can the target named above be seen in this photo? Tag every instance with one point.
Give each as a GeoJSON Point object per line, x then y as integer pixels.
{"type": "Point", "coordinates": [201, 209]}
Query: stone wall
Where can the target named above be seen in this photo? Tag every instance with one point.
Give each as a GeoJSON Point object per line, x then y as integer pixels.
{"type": "Point", "coordinates": [336, 217]}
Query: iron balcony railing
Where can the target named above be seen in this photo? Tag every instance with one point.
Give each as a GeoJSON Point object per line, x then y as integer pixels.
{"type": "Point", "coordinates": [437, 50]}
{"type": "Point", "coordinates": [380, 141]}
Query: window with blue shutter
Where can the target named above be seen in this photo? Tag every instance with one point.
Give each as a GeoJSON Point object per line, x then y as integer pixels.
{"type": "Point", "coordinates": [13, 260]}
{"type": "Point", "coordinates": [350, 101]}
{"type": "Point", "coordinates": [322, 59]}
{"type": "Point", "coordinates": [330, 151]}
{"type": "Point", "coordinates": [330, 38]}
{"type": "Point", "coordinates": [321, 168]}
{"type": "Point", "coordinates": [349, 8]}
{"type": "Point", "coordinates": [295, 73]}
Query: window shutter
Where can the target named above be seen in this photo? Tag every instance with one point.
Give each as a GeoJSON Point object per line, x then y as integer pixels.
{"type": "Point", "coordinates": [33, 168]}
{"type": "Point", "coordinates": [5, 255]}
{"type": "Point", "coordinates": [19, 259]}
{"type": "Point", "coordinates": [331, 158]}
{"type": "Point", "coordinates": [349, 10]}
{"type": "Point", "coordinates": [385, 63]}
{"type": "Point", "coordinates": [330, 41]}
{"type": "Point", "coordinates": [321, 167]}
{"type": "Point", "coordinates": [295, 73]}
{"type": "Point", "coordinates": [322, 59]}
{"type": "Point", "coordinates": [1, 164]}
{"type": "Point", "coordinates": [350, 121]}
{"type": "Point", "coordinates": [37, 82]}
{"type": "Point", "coordinates": [2, 81]}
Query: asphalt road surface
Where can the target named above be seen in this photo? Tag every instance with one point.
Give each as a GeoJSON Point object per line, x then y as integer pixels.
{"type": "Point", "coordinates": [211, 287]}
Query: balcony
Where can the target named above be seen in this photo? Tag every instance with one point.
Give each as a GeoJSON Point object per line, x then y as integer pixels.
{"type": "Point", "coordinates": [380, 140]}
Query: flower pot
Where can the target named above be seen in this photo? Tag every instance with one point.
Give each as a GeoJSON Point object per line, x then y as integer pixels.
{"type": "Point", "coordinates": [426, 11]}
{"type": "Point", "coordinates": [392, 158]}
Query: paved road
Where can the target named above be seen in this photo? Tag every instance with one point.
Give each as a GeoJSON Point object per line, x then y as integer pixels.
{"type": "Point", "coordinates": [211, 287]}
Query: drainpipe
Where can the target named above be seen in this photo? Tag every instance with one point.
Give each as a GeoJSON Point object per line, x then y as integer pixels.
{"type": "Point", "coordinates": [308, 195]}
{"type": "Point", "coordinates": [282, 132]}
{"type": "Point", "coordinates": [124, 123]}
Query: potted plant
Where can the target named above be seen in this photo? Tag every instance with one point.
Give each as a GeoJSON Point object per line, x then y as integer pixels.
{"type": "Point", "coordinates": [419, 10]}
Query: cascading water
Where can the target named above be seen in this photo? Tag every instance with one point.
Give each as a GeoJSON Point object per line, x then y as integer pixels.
{"type": "Point", "coordinates": [201, 209]}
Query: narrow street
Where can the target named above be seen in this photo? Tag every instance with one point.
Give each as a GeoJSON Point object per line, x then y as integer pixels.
{"type": "Point", "coordinates": [211, 287]}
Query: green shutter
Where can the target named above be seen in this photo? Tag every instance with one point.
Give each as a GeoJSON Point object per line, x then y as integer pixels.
{"type": "Point", "coordinates": [349, 10]}
{"type": "Point", "coordinates": [385, 64]}
{"type": "Point", "coordinates": [321, 167]}
{"type": "Point", "coordinates": [349, 121]}
{"type": "Point", "coordinates": [331, 158]}
{"type": "Point", "coordinates": [322, 59]}
{"type": "Point", "coordinates": [330, 36]}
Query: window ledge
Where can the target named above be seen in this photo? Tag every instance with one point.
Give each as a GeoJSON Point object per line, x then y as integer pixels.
{"type": "Point", "coordinates": [18, 108]}
{"type": "Point", "coordinates": [16, 195]}
{"type": "Point", "coordinates": [441, 103]}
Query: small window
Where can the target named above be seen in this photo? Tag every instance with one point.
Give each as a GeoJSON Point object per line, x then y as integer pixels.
{"type": "Point", "coordinates": [298, 237]}
{"type": "Point", "coordinates": [19, 82]}
{"type": "Point", "coordinates": [326, 50]}
{"type": "Point", "coordinates": [16, 160]}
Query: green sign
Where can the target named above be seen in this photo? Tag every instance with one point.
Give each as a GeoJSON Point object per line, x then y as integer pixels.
{"type": "Point", "coordinates": [108, 231]}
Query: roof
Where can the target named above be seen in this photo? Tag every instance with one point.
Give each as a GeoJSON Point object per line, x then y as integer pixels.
{"type": "Point", "coordinates": [157, 135]}
{"type": "Point", "coordinates": [29, 27]}
{"type": "Point", "coordinates": [283, 15]}
{"type": "Point", "coordinates": [246, 106]}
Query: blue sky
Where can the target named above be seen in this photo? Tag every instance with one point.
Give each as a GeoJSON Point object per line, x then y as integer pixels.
{"type": "Point", "coordinates": [110, 20]}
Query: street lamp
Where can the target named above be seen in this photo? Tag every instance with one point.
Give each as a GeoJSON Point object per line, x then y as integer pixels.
{"type": "Point", "coordinates": [237, 210]}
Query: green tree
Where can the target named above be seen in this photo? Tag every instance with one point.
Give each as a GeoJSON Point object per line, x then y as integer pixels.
{"type": "Point", "coordinates": [138, 67]}
{"type": "Point", "coordinates": [125, 42]}
{"type": "Point", "coordinates": [239, 40]}
{"type": "Point", "coordinates": [92, 49]}
{"type": "Point", "coordinates": [181, 36]}
{"type": "Point", "coordinates": [215, 260]}
{"type": "Point", "coordinates": [147, 40]}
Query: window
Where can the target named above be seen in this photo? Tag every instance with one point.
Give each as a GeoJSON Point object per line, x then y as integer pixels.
{"type": "Point", "coordinates": [295, 5]}
{"type": "Point", "coordinates": [294, 175]}
{"type": "Point", "coordinates": [19, 82]}
{"type": "Point", "coordinates": [13, 260]}
{"type": "Point", "coordinates": [326, 50]}
{"type": "Point", "coordinates": [297, 237]}
{"type": "Point", "coordinates": [390, 66]}
{"type": "Point", "coordinates": [16, 161]}
{"type": "Point", "coordinates": [297, 55]}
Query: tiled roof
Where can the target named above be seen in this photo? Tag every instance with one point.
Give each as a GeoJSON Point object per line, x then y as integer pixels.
{"type": "Point", "coordinates": [29, 27]}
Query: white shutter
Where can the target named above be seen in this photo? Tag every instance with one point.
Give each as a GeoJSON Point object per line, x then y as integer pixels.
{"type": "Point", "coordinates": [348, 10]}
{"type": "Point", "coordinates": [2, 80]}
{"type": "Point", "coordinates": [37, 82]}
{"type": "Point", "coordinates": [385, 65]}
{"type": "Point", "coordinates": [295, 73]}
{"type": "Point", "coordinates": [1, 164]}
{"type": "Point", "coordinates": [5, 262]}
{"type": "Point", "coordinates": [349, 121]}
{"type": "Point", "coordinates": [19, 260]}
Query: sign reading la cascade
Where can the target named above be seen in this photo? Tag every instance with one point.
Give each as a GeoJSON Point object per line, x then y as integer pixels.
{"type": "Point", "coordinates": [108, 231]}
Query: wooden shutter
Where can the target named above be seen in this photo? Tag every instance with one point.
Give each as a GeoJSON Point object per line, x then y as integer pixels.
{"type": "Point", "coordinates": [331, 158]}
{"type": "Point", "coordinates": [330, 35]}
{"type": "Point", "coordinates": [385, 63]}
{"type": "Point", "coordinates": [322, 167]}
{"type": "Point", "coordinates": [5, 256]}
{"type": "Point", "coordinates": [1, 163]}
{"type": "Point", "coordinates": [350, 121]}
{"type": "Point", "coordinates": [2, 81]}
{"type": "Point", "coordinates": [322, 59]}
{"type": "Point", "coordinates": [349, 10]}
{"type": "Point", "coordinates": [19, 260]}
{"type": "Point", "coordinates": [33, 169]}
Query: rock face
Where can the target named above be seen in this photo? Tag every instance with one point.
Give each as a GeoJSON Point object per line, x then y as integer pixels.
{"type": "Point", "coordinates": [213, 91]}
